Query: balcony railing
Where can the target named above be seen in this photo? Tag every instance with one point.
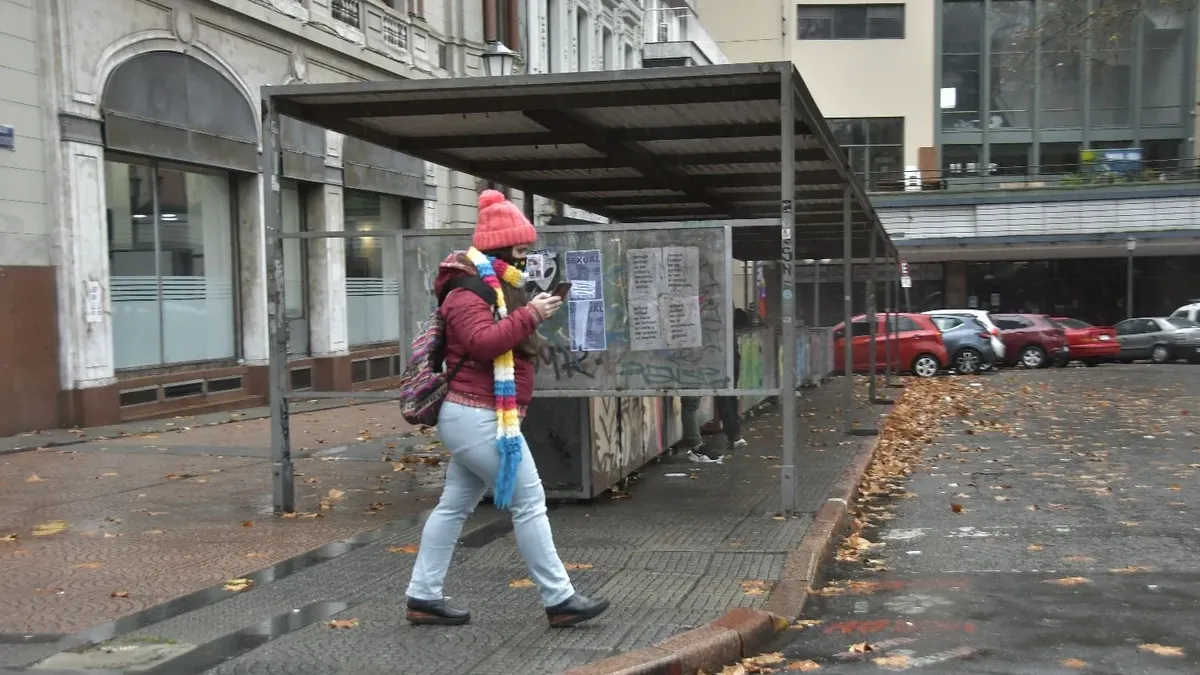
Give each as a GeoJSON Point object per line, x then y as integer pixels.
{"type": "Point", "coordinates": [680, 24]}
{"type": "Point", "coordinates": [348, 12]}
{"type": "Point", "coordinates": [395, 32]}
{"type": "Point", "coordinates": [1058, 176]}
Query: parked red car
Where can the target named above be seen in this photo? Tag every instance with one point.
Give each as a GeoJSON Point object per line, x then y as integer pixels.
{"type": "Point", "coordinates": [1032, 340]}
{"type": "Point", "coordinates": [1090, 344]}
{"type": "Point", "coordinates": [917, 345]}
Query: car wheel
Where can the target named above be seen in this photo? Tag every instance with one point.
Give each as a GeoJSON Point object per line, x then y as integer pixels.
{"type": "Point", "coordinates": [1061, 363]}
{"type": "Point", "coordinates": [1091, 363]}
{"type": "Point", "coordinates": [925, 365]}
{"type": "Point", "coordinates": [1033, 357]}
{"type": "Point", "coordinates": [1160, 354]}
{"type": "Point", "coordinates": [968, 362]}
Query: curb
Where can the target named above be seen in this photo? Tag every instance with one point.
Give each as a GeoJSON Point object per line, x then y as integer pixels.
{"type": "Point", "coordinates": [742, 632]}
{"type": "Point", "coordinates": [739, 633]}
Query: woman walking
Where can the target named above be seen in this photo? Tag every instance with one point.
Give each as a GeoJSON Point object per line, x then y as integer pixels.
{"type": "Point", "coordinates": [491, 340]}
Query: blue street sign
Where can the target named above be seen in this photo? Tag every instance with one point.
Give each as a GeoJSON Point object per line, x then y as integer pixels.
{"type": "Point", "coordinates": [8, 137]}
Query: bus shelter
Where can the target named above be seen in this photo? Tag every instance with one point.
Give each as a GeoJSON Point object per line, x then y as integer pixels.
{"type": "Point", "coordinates": [695, 167]}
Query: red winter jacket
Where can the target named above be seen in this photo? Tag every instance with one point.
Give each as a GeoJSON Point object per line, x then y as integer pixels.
{"type": "Point", "coordinates": [474, 334]}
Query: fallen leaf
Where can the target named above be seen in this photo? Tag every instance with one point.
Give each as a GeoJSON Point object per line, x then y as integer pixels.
{"type": "Point", "coordinates": [754, 587]}
{"type": "Point", "coordinates": [336, 494]}
{"type": "Point", "coordinates": [247, 523]}
{"type": "Point", "coordinates": [49, 528]}
{"type": "Point", "coordinates": [578, 566]}
{"type": "Point", "coordinates": [1070, 581]}
{"type": "Point", "coordinates": [520, 583]}
{"type": "Point", "coordinates": [807, 623]}
{"type": "Point", "coordinates": [861, 648]}
{"type": "Point", "coordinates": [407, 548]}
{"type": "Point", "coordinates": [1130, 523]}
{"type": "Point", "coordinates": [895, 661]}
{"type": "Point", "coordinates": [778, 518]}
{"type": "Point", "coordinates": [1176, 488]}
{"type": "Point", "coordinates": [1130, 569]}
{"type": "Point", "coordinates": [87, 566]}
{"type": "Point", "coordinates": [9, 537]}
{"type": "Point", "coordinates": [957, 508]}
{"type": "Point", "coordinates": [1078, 559]}
{"type": "Point", "coordinates": [33, 478]}
{"type": "Point", "coordinates": [343, 623]}
{"type": "Point", "coordinates": [806, 666]}
{"type": "Point", "coordinates": [119, 594]}
{"type": "Point", "coordinates": [398, 466]}
{"type": "Point", "coordinates": [288, 514]}
{"type": "Point", "coordinates": [1161, 650]}
{"type": "Point", "coordinates": [764, 659]}
{"type": "Point", "coordinates": [1075, 664]}
{"type": "Point", "coordinates": [238, 585]}
{"type": "Point", "coordinates": [172, 476]}
{"type": "Point", "coordinates": [1036, 547]}
{"type": "Point", "coordinates": [256, 555]}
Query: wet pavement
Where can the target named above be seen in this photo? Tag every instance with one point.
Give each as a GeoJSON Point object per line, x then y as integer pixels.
{"type": "Point", "coordinates": [682, 545]}
{"type": "Point", "coordinates": [1052, 530]}
{"type": "Point", "coordinates": [99, 530]}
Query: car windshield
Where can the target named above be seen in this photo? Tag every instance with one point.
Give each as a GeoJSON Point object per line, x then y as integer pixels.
{"type": "Point", "coordinates": [1074, 323]}
{"type": "Point", "coordinates": [1182, 323]}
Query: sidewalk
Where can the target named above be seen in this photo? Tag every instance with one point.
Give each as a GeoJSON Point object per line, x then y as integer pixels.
{"type": "Point", "coordinates": [145, 519]}
{"type": "Point", "coordinates": [325, 420]}
{"type": "Point", "coordinates": [686, 543]}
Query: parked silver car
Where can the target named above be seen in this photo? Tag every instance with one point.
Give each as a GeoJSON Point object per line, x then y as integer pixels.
{"type": "Point", "coordinates": [1162, 340]}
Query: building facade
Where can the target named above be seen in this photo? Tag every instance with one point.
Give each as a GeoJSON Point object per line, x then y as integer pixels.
{"type": "Point", "coordinates": [131, 242]}
{"type": "Point", "coordinates": [1006, 136]}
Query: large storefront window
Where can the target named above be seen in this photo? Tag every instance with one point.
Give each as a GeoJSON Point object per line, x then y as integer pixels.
{"type": "Point", "coordinates": [170, 232]}
{"type": "Point", "coordinates": [295, 270]}
{"type": "Point", "coordinates": [372, 270]}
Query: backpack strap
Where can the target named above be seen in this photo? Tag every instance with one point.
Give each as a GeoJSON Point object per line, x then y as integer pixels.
{"type": "Point", "coordinates": [472, 283]}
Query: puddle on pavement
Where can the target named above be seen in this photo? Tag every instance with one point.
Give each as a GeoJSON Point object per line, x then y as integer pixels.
{"type": "Point", "coordinates": [166, 657]}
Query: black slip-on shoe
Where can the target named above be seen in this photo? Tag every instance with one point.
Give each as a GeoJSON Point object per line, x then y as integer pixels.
{"type": "Point", "coordinates": [435, 613]}
{"type": "Point", "coordinates": [575, 610]}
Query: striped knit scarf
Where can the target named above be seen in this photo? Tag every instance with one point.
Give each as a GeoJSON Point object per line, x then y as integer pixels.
{"type": "Point", "coordinates": [508, 421]}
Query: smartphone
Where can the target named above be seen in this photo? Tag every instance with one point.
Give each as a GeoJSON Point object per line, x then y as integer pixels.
{"type": "Point", "coordinates": [562, 289]}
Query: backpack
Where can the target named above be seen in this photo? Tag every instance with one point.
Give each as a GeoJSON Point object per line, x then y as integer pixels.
{"type": "Point", "coordinates": [424, 385]}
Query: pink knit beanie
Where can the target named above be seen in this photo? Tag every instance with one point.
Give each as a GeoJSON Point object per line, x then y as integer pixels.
{"type": "Point", "coordinates": [501, 224]}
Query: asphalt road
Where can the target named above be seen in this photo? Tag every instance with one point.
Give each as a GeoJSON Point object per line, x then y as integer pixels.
{"type": "Point", "coordinates": [1053, 530]}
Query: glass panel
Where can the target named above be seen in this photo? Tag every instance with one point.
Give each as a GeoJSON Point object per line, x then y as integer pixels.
{"type": "Point", "coordinates": [293, 252]}
{"type": "Point", "coordinates": [960, 72]}
{"type": "Point", "coordinates": [885, 130]}
{"type": "Point", "coordinates": [1059, 158]}
{"type": "Point", "coordinates": [133, 275]}
{"type": "Point", "coordinates": [886, 165]}
{"type": "Point", "coordinates": [1010, 159]}
{"type": "Point", "coordinates": [195, 234]}
{"type": "Point", "coordinates": [814, 29]}
{"type": "Point", "coordinates": [885, 22]}
{"type": "Point", "coordinates": [1163, 67]}
{"type": "Point", "coordinates": [857, 158]}
{"type": "Point", "coordinates": [959, 160]}
{"type": "Point", "coordinates": [848, 131]}
{"type": "Point", "coordinates": [1062, 96]}
{"type": "Point", "coordinates": [1012, 79]}
{"type": "Point", "coordinates": [962, 26]}
{"type": "Point", "coordinates": [372, 271]}
{"type": "Point", "coordinates": [849, 23]}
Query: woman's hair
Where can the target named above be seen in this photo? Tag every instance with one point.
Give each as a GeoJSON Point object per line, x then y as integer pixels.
{"type": "Point", "coordinates": [515, 298]}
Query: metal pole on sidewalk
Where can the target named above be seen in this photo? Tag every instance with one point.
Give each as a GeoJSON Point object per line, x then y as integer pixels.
{"type": "Point", "coordinates": [888, 319]}
{"type": "Point", "coordinates": [282, 483]}
{"type": "Point", "coordinates": [787, 389]}
{"type": "Point", "coordinates": [816, 320]}
{"type": "Point", "coordinates": [872, 328]}
{"type": "Point", "coordinates": [894, 283]}
{"type": "Point", "coordinates": [848, 307]}
{"type": "Point", "coordinates": [1130, 247]}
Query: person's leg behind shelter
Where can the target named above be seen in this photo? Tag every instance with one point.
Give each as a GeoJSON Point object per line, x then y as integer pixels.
{"type": "Point", "coordinates": [731, 423]}
{"type": "Point", "coordinates": [689, 420]}
{"type": "Point", "coordinates": [460, 495]}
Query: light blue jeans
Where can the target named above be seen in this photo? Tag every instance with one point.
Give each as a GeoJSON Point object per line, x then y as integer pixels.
{"type": "Point", "coordinates": [470, 436]}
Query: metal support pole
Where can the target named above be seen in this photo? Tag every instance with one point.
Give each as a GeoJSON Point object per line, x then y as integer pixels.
{"type": "Point", "coordinates": [1130, 245]}
{"type": "Point", "coordinates": [283, 484]}
{"type": "Point", "coordinates": [848, 307]}
{"type": "Point", "coordinates": [888, 319]}
{"type": "Point", "coordinates": [816, 320]}
{"type": "Point", "coordinates": [787, 385]}
{"type": "Point", "coordinates": [872, 321]}
{"type": "Point", "coordinates": [894, 328]}
{"type": "Point", "coordinates": [528, 206]}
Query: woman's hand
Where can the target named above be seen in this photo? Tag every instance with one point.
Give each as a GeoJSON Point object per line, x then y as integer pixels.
{"type": "Point", "coordinates": [546, 305]}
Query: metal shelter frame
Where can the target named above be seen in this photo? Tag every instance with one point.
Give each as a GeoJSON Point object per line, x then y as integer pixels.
{"type": "Point", "coordinates": [659, 147]}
